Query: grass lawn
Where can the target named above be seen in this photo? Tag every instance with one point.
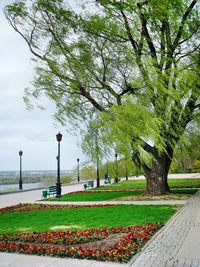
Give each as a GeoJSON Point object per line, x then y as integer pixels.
{"type": "Point", "coordinates": [95, 196]}
{"type": "Point", "coordinates": [129, 195]}
{"type": "Point", "coordinates": [83, 218]}
{"type": "Point", "coordinates": [141, 184]}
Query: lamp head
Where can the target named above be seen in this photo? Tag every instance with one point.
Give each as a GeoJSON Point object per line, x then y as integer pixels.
{"type": "Point", "coordinates": [59, 137]}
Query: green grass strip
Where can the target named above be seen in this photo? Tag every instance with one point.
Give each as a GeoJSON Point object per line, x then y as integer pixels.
{"type": "Point", "coordinates": [96, 196]}
{"type": "Point", "coordinates": [84, 218]}
{"type": "Point", "coordinates": [103, 196]}
{"type": "Point", "coordinates": [141, 184]}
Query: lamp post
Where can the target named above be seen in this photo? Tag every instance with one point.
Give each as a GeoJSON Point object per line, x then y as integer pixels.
{"type": "Point", "coordinates": [116, 169]}
{"type": "Point", "coordinates": [58, 184]}
{"type": "Point", "coordinates": [97, 155]}
{"type": "Point", "coordinates": [106, 174]}
{"type": "Point", "coordinates": [20, 169]}
{"type": "Point", "coordinates": [98, 179]}
{"type": "Point", "coordinates": [126, 172]}
{"type": "Point", "coordinates": [78, 174]}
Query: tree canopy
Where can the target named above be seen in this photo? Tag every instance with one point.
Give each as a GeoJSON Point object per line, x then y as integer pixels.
{"type": "Point", "coordinates": [136, 62]}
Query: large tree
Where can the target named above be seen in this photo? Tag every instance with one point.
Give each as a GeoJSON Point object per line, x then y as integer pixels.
{"type": "Point", "coordinates": [135, 61]}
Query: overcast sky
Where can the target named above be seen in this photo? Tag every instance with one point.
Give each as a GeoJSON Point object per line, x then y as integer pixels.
{"type": "Point", "coordinates": [33, 132]}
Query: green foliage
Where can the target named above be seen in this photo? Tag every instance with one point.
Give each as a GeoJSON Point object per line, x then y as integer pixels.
{"type": "Point", "coordinates": [196, 166]}
{"type": "Point", "coordinates": [89, 171]}
{"type": "Point", "coordinates": [92, 143]}
{"type": "Point", "coordinates": [17, 9]}
{"type": "Point", "coordinates": [123, 165]}
{"type": "Point", "coordinates": [132, 124]}
{"type": "Point", "coordinates": [187, 152]}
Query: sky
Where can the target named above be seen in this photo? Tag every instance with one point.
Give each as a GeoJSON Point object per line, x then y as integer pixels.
{"type": "Point", "coordinates": [33, 132]}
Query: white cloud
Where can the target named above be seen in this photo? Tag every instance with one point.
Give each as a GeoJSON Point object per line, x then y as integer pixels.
{"type": "Point", "coordinates": [31, 131]}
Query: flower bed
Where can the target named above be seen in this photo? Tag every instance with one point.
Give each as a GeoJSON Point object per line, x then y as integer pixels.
{"type": "Point", "coordinates": [76, 244]}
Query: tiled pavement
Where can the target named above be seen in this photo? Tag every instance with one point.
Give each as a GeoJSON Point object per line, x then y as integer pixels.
{"type": "Point", "coordinates": [178, 243]}
{"type": "Point", "coordinates": [19, 260]}
{"type": "Point", "coordinates": [144, 202]}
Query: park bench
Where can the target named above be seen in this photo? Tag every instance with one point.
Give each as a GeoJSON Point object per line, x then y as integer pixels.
{"type": "Point", "coordinates": [89, 184]}
{"type": "Point", "coordinates": [107, 181]}
{"type": "Point", "coordinates": [116, 180]}
{"type": "Point", "coordinates": [49, 191]}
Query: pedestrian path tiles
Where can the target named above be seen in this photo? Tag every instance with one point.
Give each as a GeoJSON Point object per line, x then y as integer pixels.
{"type": "Point", "coordinates": [164, 250]}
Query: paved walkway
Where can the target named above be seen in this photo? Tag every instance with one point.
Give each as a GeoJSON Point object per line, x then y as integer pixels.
{"type": "Point", "coordinates": [172, 176]}
{"type": "Point", "coordinates": [17, 260]}
{"type": "Point", "coordinates": [32, 195]}
{"type": "Point", "coordinates": [176, 244]}
{"type": "Point", "coordinates": [144, 202]}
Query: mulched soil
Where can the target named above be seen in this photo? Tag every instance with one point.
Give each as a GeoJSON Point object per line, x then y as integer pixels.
{"type": "Point", "coordinates": [105, 243]}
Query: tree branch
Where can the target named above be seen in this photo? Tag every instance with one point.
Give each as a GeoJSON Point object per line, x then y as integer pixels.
{"type": "Point", "coordinates": [184, 18]}
{"type": "Point", "coordinates": [25, 38]}
{"type": "Point", "coordinates": [91, 99]}
{"type": "Point", "coordinates": [147, 36]}
{"type": "Point", "coordinates": [128, 29]}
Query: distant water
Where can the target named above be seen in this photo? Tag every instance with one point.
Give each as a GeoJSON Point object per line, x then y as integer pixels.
{"type": "Point", "coordinates": [32, 177]}
{"type": "Point", "coordinates": [33, 173]}
{"type": "Point", "coordinates": [15, 187]}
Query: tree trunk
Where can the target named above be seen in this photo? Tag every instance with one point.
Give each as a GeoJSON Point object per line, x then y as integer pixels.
{"type": "Point", "coordinates": [156, 176]}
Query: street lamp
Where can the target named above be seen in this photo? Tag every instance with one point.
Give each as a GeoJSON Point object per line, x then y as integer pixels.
{"type": "Point", "coordinates": [106, 174]}
{"type": "Point", "coordinates": [97, 156]}
{"type": "Point", "coordinates": [58, 184]}
{"type": "Point", "coordinates": [78, 174]}
{"type": "Point", "coordinates": [20, 172]}
{"type": "Point", "coordinates": [107, 168]}
{"type": "Point", "coordinates": [126, 172]}
{"type": "Point", "coordinates": [116, 169]}
{"type": "Point", "coordinates": [98, 178]}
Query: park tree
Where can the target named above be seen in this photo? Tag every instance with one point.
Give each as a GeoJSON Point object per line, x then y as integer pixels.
{"type": "Point", "coordinates": [187, 152]}
{"type": "Point", "coordinates": [93, 147]}
{"type": "Point", "coordinates": [133, 63]}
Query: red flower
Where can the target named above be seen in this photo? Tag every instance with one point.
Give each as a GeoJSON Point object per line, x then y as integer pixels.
{"type": "Point", "coordinates": [48, 243]}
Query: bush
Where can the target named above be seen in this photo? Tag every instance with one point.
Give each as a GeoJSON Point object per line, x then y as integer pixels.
{"type": "Point", "coordinates": [196, 166]}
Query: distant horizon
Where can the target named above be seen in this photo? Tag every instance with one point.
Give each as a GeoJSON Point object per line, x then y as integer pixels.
{"type": "Point", "coordinates": [41, 170]}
